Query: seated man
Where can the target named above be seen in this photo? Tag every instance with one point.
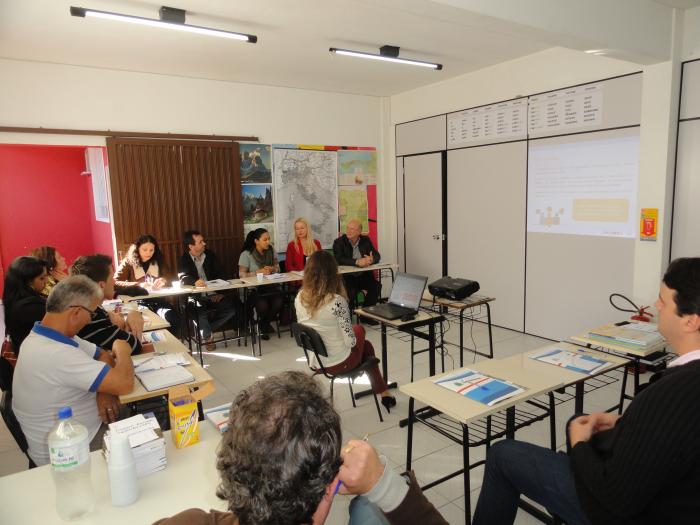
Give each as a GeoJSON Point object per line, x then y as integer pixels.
{"type": "Point", "coordinates": [354, 249]}
{"type": "Point", "coordinates": [280, 463]}
{"type": "Point", "coordinates": [196, 266]}
{"type": "Point", "coordinates": [57, 369]}
{"type": "Point", "coordinates": [107, 327]}
{"type": "Point", "coordinates": [642, 467]}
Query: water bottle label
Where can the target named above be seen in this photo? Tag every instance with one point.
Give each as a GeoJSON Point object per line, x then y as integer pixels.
{"type": "Point", "coordinates": [64, 459]}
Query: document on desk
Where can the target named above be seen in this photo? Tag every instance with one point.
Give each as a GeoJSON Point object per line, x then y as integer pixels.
{"type": "Point", "coordinates": [216, 283]}
{"type": "Point", "coordinates": [479, 387]}
{"type": "Point", "coordinates": [575, 361]}
{"type": "Point", "coordinates": [164, 377]}
{"type": "Point", "coordinates": [275, 276]}
{"type": "Point", "coordinates": [144, 363]}
{"type": "Point", "coordinates": [155, 336]}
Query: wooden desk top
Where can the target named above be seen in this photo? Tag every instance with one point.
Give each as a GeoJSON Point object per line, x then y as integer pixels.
{"type": "Point", "coordinates": [468, 302]}
{"type": "Point", "coordinates": [189, 480]}
{"type": "Point", "coordinates": [523, 371]}
{"type": "Point", "coordinates": [170, 345]}
{"type": "Point", "coordinates": [152, 321]}
{"type": "Point", "coordinates": [378, 266]}
{"type": "Point", "coordinates": [422, 317]}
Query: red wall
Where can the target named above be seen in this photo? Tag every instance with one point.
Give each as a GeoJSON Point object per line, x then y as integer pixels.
{"type": "Point", "coordinates": [45, 200]}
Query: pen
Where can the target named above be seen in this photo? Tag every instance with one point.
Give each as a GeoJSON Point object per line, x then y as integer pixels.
{"type": "Point", "coordinates": [143, 362]}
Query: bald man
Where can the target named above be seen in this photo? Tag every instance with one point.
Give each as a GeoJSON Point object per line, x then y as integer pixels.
{"type": "Point", "coordinates": [355, 249]}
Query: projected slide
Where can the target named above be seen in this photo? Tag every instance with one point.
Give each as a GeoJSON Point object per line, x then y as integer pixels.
{"type": "Point", "coordinates": [584, 187]}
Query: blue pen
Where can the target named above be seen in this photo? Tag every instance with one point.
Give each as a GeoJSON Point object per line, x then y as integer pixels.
{"type": "Point", "coordinates": [337, 487]}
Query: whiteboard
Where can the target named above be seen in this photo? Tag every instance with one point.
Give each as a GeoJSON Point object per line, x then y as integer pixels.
{"type": "Point", "coordinates": [421, 136]}
{"type": "Point", "coordinates": [486, 224]}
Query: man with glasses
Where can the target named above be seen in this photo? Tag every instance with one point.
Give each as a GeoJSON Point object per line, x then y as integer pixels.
{"type": "Point", "coordinates": [107, 327]}
{"type": "Point", "coordinates": [56, 369]}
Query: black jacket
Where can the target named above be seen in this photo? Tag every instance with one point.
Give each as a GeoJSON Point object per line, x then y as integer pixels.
{"type": "Point", "coordinates": [342, 249]}
{"type": "Point", "coordinates": [187, 271]}
{"type": "Point", "coordinates": [21, 318]}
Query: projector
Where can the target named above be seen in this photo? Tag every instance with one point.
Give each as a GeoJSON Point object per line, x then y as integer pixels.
{"type": "Point", "coordinates": [453, 288]}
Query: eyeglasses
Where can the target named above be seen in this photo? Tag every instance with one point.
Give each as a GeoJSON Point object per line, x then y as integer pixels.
{"type": "Point", "coordinates": [92, 313]}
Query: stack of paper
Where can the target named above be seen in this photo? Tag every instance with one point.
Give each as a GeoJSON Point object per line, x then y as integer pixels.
{"type": "Point", "coordinates": [630, 335]}
{"type": "Point", "coordinates": [146, 439]}
{"type": "Point", "coordinates": [275, 276]}
{"type": "Point", "coordinates": [479, 387]}
{"type": "Point", "coordinates": [162, 371]}
{"type": "Point", "coordinates": [216, 283]}
{"type": "Point", "coordinates": [575, 361]}
{"type": "Point", "coordinates": [219, 416]}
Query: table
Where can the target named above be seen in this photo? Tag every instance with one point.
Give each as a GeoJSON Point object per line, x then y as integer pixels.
{"type": "Point", "coordinates": [440, 401]}
{"type": "Point", "coordinates": [467, 303]}
{"type": "Point", "coordinates": [189, 480]}
{"type": "Point", "coordinates": [170, 345]}
{"type": "Point", "coordinates": [633, 355]}
{"type": "Point", "coordinates": [153, 321]}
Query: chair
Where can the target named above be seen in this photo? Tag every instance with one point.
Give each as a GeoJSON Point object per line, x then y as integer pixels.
{"type": "Point", "coordinates": [13, 426]}
{"type": "Point", "coordinates": [310, 341]}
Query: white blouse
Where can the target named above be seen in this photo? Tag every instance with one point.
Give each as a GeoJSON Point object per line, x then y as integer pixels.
{"type": "Point", "coordinates": [333, 323]}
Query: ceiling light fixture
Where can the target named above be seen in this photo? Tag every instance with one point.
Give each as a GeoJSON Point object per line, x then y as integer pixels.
{"type": "Point", "coordinates": [387, 54]}
{"type": "Point", "coordinates": [170, 18]}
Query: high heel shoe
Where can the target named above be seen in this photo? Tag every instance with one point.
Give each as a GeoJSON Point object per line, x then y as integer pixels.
{"type": "Point", "coordinates": [388, 402]}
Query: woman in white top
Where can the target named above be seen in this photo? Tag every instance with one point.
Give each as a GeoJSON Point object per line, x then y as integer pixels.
{"type": "Point", "coordinates": [322, 305]}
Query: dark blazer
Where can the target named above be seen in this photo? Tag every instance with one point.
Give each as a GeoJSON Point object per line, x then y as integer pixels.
{"type": "Point", "coordinates": [20, 318]}
{"type": "Point", "coordinates": [187, 271]}
{"type": "Point", "coordinates": [342, 249]}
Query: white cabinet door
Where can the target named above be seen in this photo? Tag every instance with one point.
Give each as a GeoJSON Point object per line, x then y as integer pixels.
{"type": "Point", "coordinates": [422, 191]}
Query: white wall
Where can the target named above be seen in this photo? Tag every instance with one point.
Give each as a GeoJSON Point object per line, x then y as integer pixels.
{"type": "Point", "coordinates": [556, 68]}
{"type": "Point", "coordinates": [691, 34]}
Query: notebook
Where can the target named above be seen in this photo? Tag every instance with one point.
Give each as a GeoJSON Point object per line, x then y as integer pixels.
{"type": "Point", "coordinates": [406, 294]}
{"type": "Point", "coordinates": [164, 377]}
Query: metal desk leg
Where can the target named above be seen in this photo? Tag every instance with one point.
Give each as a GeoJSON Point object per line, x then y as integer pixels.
{"type": "Point", "coordinates": [409, 443]}
{"type": "Point", "coordinates": [488, 314]}
{"type": "Point", "coordinates": [578, 398]}
{"type": "Point", "coordinates": [510, 423]}
{"type": "Point", "coordinates": [431, 348]}
{"type": "Point", "coordinates": [552, 422]}
{"type": "Point", "coordinates": [636, 376]}
{"type": "Point", "coordinates": [461, 337]}
{"type": "Point", "coordinates": [467, 481]}
{"type": "Point", "coordinates": [385, 371]}
{"type": "Point", "coordinates": [623, 390]}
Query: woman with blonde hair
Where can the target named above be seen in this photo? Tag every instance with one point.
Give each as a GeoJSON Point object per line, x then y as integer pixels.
{"type": "Point", "coordinates": [302, 247]}
{"type": "Point", "coordinates": [55, 266]}
{"type": "Point", "coordinates": [322, 304]}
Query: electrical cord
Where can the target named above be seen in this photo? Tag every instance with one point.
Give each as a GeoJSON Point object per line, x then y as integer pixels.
{"type": "Point", "coordinates": [636, 310]}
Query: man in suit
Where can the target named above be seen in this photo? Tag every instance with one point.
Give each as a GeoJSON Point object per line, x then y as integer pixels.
{"type": "Point", "coordinates": [196, 266]}
{"type": "Point", "coordinates": [355, 249]}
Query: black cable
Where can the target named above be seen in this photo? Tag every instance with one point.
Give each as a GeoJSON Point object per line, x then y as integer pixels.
{"type": "Point", "coordinates": [636, 308]}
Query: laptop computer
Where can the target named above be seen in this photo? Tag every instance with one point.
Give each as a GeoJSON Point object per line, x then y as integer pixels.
{"type": "Point", "coordinates": [405, 297]}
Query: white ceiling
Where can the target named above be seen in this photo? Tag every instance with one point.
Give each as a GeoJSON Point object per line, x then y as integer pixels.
{"type": "Point", "coordinates": [294, 37]}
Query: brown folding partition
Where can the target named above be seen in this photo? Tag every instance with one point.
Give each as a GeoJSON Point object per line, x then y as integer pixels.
{"type": "Point", "coordinates": [164, 187]}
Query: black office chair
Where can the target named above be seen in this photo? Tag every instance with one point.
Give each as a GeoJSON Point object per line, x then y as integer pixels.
{"type": "Point", "coordinates": [10, 420]}
{"type": "Point", "coordinates": [312, 344]}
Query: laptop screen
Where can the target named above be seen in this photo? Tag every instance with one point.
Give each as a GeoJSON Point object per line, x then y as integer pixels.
{"type": "Point", "coordinates": [408, 290]}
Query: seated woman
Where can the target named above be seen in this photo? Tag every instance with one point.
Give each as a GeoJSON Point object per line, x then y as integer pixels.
{"type": "Point", "coordinates": [144, 267]}
{"type": "Point", "coordinates": [24, 305]}
{"type": "Point", "coordinates": [322, 304]}
{"type": "Point", "coordinates": [258, 256]}
{"type": "Point", "coordinates": [303, 246]}
{"type": "Point", "coordinates": [55, 265]}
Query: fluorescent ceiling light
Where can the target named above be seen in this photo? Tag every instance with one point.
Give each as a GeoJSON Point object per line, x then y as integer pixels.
{"type": "Point", "coordinates": [386, 57]}
{"type": "Point", "coordinates": [86, 12]}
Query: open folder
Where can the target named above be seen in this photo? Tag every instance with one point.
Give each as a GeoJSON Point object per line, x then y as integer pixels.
{"type": "Point", "coordinates": [164, 377]}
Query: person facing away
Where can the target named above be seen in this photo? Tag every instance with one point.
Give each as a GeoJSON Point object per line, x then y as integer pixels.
{"type": "Point", "coordinates": [106, 327]}
{"type": "Point", "coordinates": [55, 266]}
{"type": "Point", "coordinates": [258, 257]}
{"type": "Point", "coordinates": [302, 247]}
{"type": "Point", "coordinates": [355, 249]}
{"type": "Point", "coordinates": [280, 462]}
{"type": "Point", "coordinates": [639, 468]}
{"type": "Point", "coordinates": [321, 304]}
{"type": "Point", "coordinates": [197, 266]}
{"type": "Point", "coordinates": [57, 368]}
{"type": "Point", "coordinates": [22, 299]}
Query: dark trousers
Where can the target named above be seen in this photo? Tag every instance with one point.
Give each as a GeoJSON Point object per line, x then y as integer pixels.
{"type": "Point", "coordinates": [514, 468]}
{"type": "Point", "coordinates": [267, 301]}
{"type": "Point", "coordinates": [364, 282]}
{"type": "Point", "coordinates": [362, 350]}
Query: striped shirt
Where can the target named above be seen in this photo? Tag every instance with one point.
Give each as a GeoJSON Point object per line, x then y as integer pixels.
{"type": "Point", "coordinates": [101, 332]}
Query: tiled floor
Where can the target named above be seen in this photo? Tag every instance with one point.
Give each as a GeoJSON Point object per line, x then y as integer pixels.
{"type": "Point", "coordinates": [433, 455]}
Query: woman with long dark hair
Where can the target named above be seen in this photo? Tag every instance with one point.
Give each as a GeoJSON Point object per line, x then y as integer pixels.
{"type": "Point", "coordinates": [144, 267]}
{"type": "Point", "coordinates": [258, 257]}
{"type": "Point", "coordinates": [56, 266]}
{"type": "Point", "coordinates": [24, 305]}
{"type": "Point", "coordinates": [322, 304]}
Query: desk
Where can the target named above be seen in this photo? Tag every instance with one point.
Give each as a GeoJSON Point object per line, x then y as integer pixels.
{"type": "Point", "coordinates": [152, 321]}
{"type": "Point", "coordinates": [633, 355]}
{"type": "Point", "coordinates": [465, 304]}
{"type": "Point", "coordinates": [189, 480]}
{"type": "Point", "coordinates": [170, 345]}
{"type": "Point", "coordinates": [439, 400]}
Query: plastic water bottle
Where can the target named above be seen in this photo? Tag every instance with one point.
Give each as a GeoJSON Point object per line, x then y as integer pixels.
{"type": "Point", "coordinates": [69, 450]}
